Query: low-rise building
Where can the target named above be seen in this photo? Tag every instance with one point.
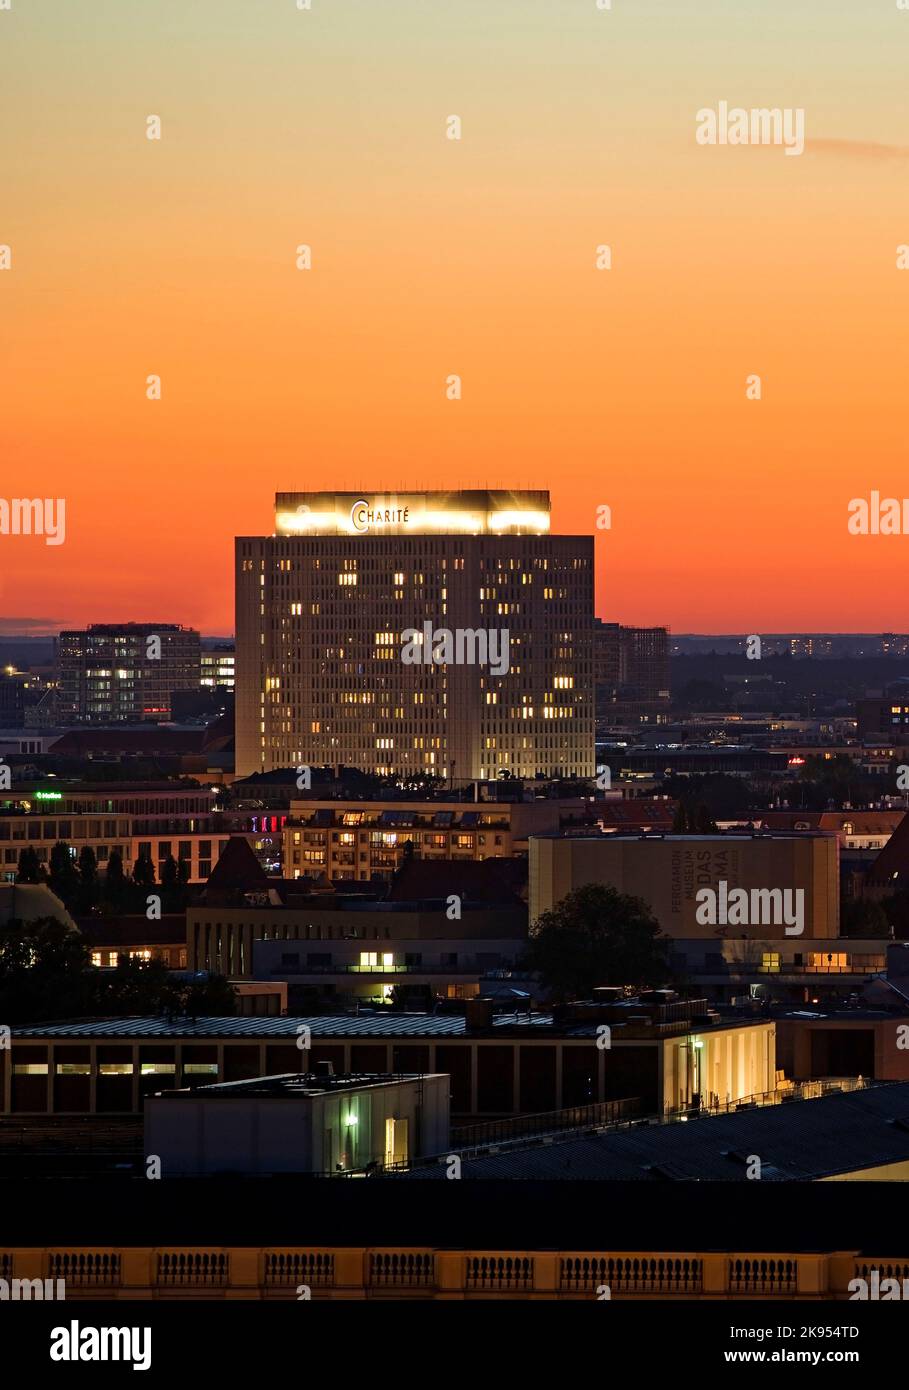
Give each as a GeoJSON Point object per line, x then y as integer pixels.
{"type": "Point", "coordinates": [855, 830]}
{"type": "Point", "coordinates": [819, 1043]}
{"type": "Point", "coordinates": [137, 820]}
{"type": "Point", "coordinates": [664, 1056]}
{"type": "Point", "coordinates": [443, 930]}
{"type": "Point", "coordinates": [735, 968]}
{"type": "Point", "coordinates": [137, 938]}
{"type": "Point", "coordinates": [304, 1122]}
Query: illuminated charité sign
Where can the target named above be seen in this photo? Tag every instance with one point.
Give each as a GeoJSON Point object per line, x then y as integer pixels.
{"type": "Point", "coordinates": [363, 517]}
{"type": "Point", "coordinates": [440, 513]}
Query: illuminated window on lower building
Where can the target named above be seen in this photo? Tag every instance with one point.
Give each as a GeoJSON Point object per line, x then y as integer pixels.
{"type": "Point", "coordinates": [373, 960]}
{"type": "Point", "coordinates": [770, 963]}
{"type": "Point", "coordinates": [827, 960]}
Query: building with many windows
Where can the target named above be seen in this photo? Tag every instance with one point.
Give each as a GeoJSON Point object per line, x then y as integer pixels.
{"type": "Point", "coordinates": [665, 1057]}
{"type": "Point", "coordinates": [217, 662]}
{"type": "Point", "coordinates": [138, 821]}
{"type": "Point", "coordinates": [631, 671]}
{"type": "Point", "coordinates": [365, 840]}
{"type": "Point", "coordinates": [440, 633]}
{"type": "Point", "coordinates": [114, 673]}
{"type": "Point", "coordinates": [367, 951]}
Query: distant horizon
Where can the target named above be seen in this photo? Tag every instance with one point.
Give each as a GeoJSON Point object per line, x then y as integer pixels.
{"type": "Point", "coordinates": [701, 635]}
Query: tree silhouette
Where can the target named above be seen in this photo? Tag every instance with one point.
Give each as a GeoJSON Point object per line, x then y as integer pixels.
{"type": "Point", "coordinates": [143, 872]}
{"type": "Point", "coordinates": [29, 870]}
{"type": "Point", "coordinates": [89, 888]}
{"type": "Point", "coordinates": [114, 881]}
{"type": "Point", "coordinates": [597, 936]}
{"type": "Point", "coordinates": [64, 877]}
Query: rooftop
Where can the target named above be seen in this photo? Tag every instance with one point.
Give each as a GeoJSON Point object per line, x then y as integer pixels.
{"type": "Point", "coordinates": [805, 1140]}
{"type": "Point", "coordinates": [376, 1025]}
{"type": "Point", "coordinates": [714, 835]}
{"type": "Point", "coordinates": [292, 1085]}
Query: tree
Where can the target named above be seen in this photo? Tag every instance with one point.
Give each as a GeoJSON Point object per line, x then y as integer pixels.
{"type": "Point", "coordinates": [143, 872]}
{"type": "Point", "coordinates": [597, 936]}
{"type": "Point", "coordinates": [174, 881]}
{"type": "Point", "coordinates": [139, 987]}
{"type": "Point", "coordinates": [29, 870]}
{"type": "Point", "coordinates": [863, 917]}
{"type": "Point", "coordinates": [422, 784]}
{"type": "Point", "coordinates": [693, 820]}
{"type": "Point", "coordinates": [896, 908]}
{"type": "Point", "coordinates": [209, 995]}
{"type": "Point", "coordinates": [114, 881]}
{"type": "Point", "coordinates": [726, 797]}
{"type": "Point", "coordinates": [44, 971]}
{"type": "Point", "coordinates": [704, 824]}
{"type": "Point", "coordinates": [824, 782]}
{"type": "Point", "coordinates": [88, 879]}
{"type": "Point", "coordinates": [64, 877]}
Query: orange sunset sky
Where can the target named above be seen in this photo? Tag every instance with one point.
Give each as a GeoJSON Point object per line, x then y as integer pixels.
{"type": "Point", "coordinates": [176, 257]}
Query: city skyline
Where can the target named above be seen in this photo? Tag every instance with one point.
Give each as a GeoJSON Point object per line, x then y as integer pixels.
{"type": "Point", "coordinates": [454, 679]}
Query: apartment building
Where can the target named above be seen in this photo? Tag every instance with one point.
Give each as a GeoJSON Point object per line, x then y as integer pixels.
{"type": "Point", "coordinates": [365, 840]}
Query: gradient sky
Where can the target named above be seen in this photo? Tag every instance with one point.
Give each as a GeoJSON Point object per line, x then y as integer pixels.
{"type": "Point", "coordinates": [476, 257]}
